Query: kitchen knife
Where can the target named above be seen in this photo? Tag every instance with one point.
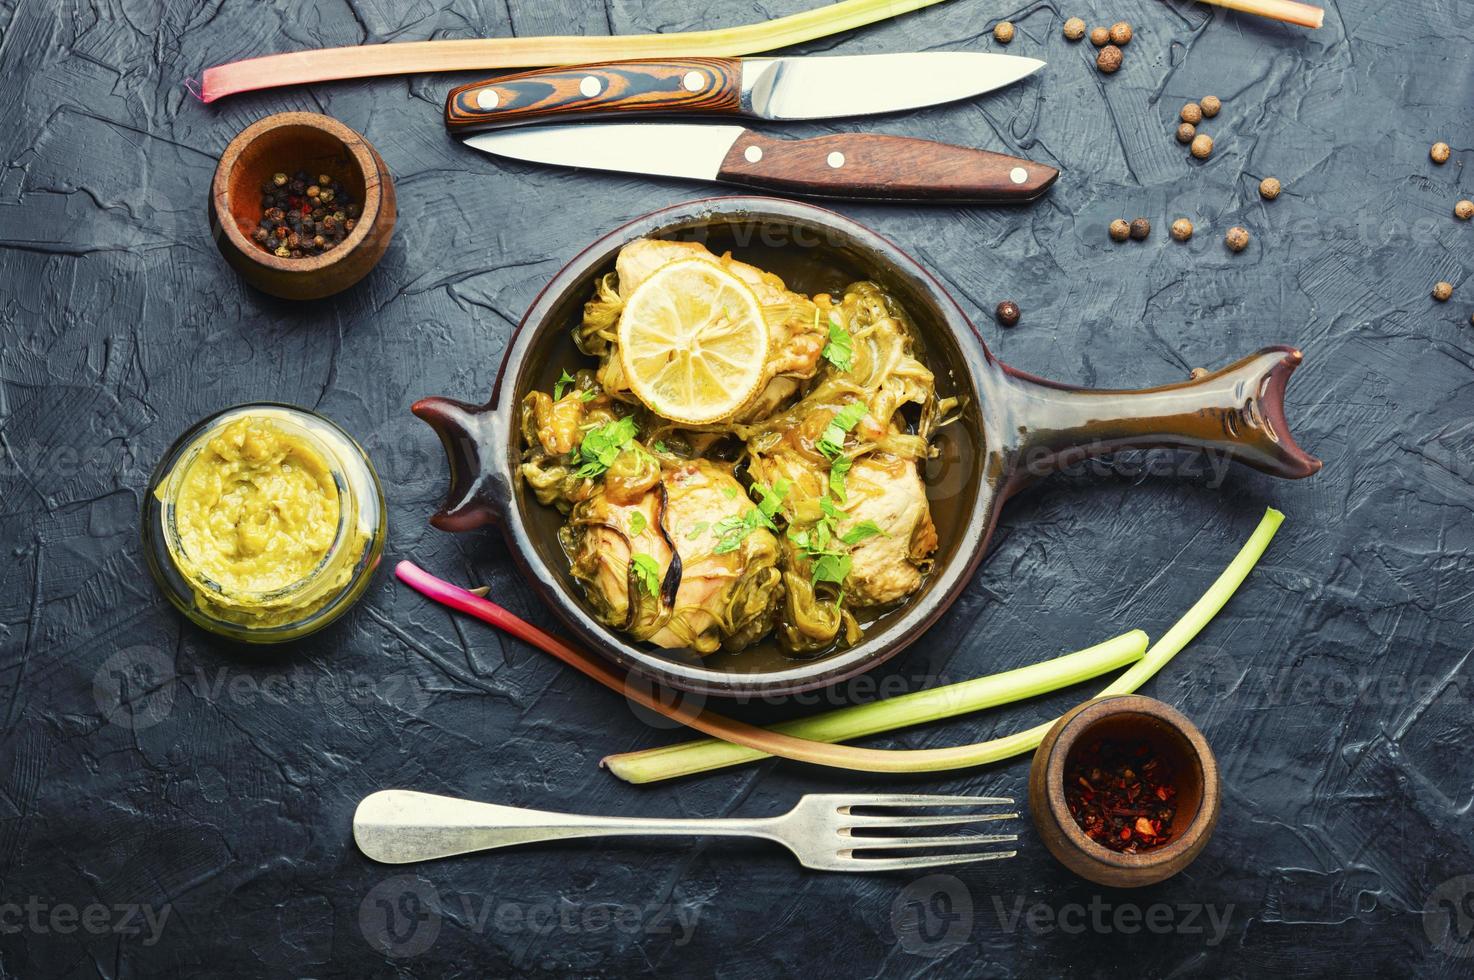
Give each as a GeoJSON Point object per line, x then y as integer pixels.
{"type": "Point", "coordinates": [855, 166]}
{"type": "Point", "coordinates": [756, 88]}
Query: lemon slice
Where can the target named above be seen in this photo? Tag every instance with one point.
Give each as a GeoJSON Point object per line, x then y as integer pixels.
{"type": "Point", "coordinates": [693, 342]}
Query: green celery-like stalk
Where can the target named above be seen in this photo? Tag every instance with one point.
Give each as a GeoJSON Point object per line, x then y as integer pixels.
{"type": "Point", "coordinates": [904, 711]}
{"type": "Point", "coordinates": [691, 757]}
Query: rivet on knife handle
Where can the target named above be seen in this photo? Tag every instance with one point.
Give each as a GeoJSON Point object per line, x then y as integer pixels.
{"type": "Point", "coordinates": [680, 85]}
{"type": "Point", "coordinates": [884, 168]}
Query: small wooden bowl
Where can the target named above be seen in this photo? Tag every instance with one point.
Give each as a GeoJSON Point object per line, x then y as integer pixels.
{"type": "Point", "coordinates": [1179, 743]}
{"type": "Point", "coordinates": [292, 141]}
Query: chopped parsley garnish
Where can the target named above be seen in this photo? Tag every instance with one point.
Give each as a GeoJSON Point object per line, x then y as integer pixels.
{"type": "Point", "coordinates": [831, 443]}
{"type": "Point", "coordinates": [861, 532]}
{"type": "Point", "coordinates": [831, 568]}
{"type": "Point", "coordinates": [589, 395]}
{"type": "Point", "coordinates": [647, 571]}
{"type": "Point", "coordinates": [638, 523]}
{"type": "Point", "coordinates": [840, 351]}
{"type": "Point", "coordinates": [602, 445]}
{"type": "Point", "coordinates": [771, 498]}
{"type": "Point", "coordinates": [660, 445]}
{"type": "Point", "coordinates": [697, 530]}
{"type": "Point", "coordinates": [838, 469]}
{"type": "Point", "coordinates": [729, 492]}
{"type": "Point", "coordinates": [561, 385]}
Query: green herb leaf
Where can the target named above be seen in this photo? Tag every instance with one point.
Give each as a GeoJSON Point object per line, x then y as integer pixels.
{"type": "Point", "coordinates": [861, 532]}
{"type": "Point", "coordinates": [589, 395]}
{"type": "Point", "coordinates": [840, 351]}
{"type": "Point", "coordinates": [647, 570]}
{"type": "Point", "coordinates": [660, 445]}
{"type": "Point", "coordinates": [697, 530]}
{"type": "Point", "coordinates": [602, 445]}
{"type": "Point", "coordinates": [770, 499]}
{"type": "Point", "coordinates": [831, 568]}
{"type": "Point", "coordinates": [839, 468]}
{"type": "Point", "coordinates": [831, 443]}
{"type": "Point", "coordinates": [561, 385]}
{"type": "Point", "coordinates": [730, 493]}
{"type": "Point", "coordinates": [638, 523]}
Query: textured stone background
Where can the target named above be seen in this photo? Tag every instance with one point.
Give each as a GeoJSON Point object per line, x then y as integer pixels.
{"type": "Point", "coordinates": [1335, 688]}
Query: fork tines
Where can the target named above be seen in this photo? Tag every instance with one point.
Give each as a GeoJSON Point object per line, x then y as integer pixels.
{"type": "Point", "coordinates": [869, 850]}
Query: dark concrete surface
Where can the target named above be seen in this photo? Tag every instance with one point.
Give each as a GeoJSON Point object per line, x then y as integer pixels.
{"type": "Point", "coordinates": [202, 827]}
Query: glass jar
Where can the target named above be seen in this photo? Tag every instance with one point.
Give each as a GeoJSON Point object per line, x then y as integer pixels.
{"type": "Point", "coordinates": [264, 522]}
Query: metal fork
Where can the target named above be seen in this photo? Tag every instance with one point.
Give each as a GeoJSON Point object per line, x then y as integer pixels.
{"type": "Point", "coordinates": [397, 826]}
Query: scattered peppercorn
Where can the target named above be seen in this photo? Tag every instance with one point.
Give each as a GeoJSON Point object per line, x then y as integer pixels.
{"type": "Point", "coordinates": [1210, 105]}
{"type": "Point", "coordinates": [282, 252]}
{"type": "Point", "coordinates": [1439, 153]}
{"type": "Point", "coordinates": [1109, 59]}
{"type": "Point", "coordinates": [1443, 291]}
{"type": "Point", "coordinates": [280, 180]}
{"type": "Point", "coordinates": [1182, 230]}
{"type": "Point", "coordinates": [1074, 29]}
{"type": "Point", "coordinates": [1202, 146]}
{"type": "Point", "coordinates": [1100, 36]}
{"type": "Point", "coordinates": [1007, 313]}
{"type": "Point", "coordinates": [1140, 228]}
{"type": "Point", "coordinates": [1197, 373]}
{"type": "Point", "coordinates": [1464, 210]}
{"type": "Point", "coordinates": [1237, 238]}
{"type": "Point", "coordinates": [1120, 33]}
{"type": "Point", "coordinates": [1186, 132]}
{"type": "Point", "coordinates": [1192, 113]}
{"type": "Point", "coordinates": [1120, 230]}
{"type": "Point", "coordinates": [1003, 32]}
{"type": "Point", "coordinates": [1269, 188]}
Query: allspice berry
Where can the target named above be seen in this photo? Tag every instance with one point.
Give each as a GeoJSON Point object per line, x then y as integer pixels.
{"type": "Point", "coordinates": [1192, 113]}
{"type": "Point", "coordinates": [1439, 153]}
{"type": "Point", "coordinates": [1182, 230]}
{"type": "Point", "coordinates": [1269, 188]}
{"type": "Point", "coordinates": [1186, 132]}
{"type": "Point", "coordinates": [1140, 228]}
{"type": "Point", "coordinates": [1120, 33]}
{"type": "Point", "coordinates": [1100, 37]}
{"type": "Point", "coordinates": [1120, 230]}
{"type": "Point", "coordinates": [1007, 313]}
{"type": "Point", "coordinates": [1443, 291]}
{"type": "Point", "coordinates": [1109, 59]}
{"type": "Point", "coordinates": [1202, 146]}
{"type": "Point", "coordinates": [1210, 105]}
{"type": "Point", "coordinates": [1237, 238]}
{"type": "Point", "coordinates": [1464, 210]}
{"type": "Point", "coordinates": [1003, 32]}
{"type": "Point", "coordinates": [1197, 373]}
{"type": "Point", "coordinates": [1074, 29]}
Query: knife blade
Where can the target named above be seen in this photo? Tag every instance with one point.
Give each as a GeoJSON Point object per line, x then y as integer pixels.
{"type": "Point", "coordinates": [757, 88]}
{"type": "Point", "coordinates": [852, 166]}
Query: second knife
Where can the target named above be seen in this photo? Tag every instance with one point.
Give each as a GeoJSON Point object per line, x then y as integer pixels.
{"type": "Point", "coordinates": [852, 166]}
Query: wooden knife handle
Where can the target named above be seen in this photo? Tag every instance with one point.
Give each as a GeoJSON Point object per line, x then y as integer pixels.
{"type": "Point", "coordinates": [867, 166]}
{"type": "Point", "coordinates": [680, 85]}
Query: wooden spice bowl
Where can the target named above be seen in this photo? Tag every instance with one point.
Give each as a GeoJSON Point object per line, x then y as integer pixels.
{"type": "Point", "coordinates": [1127, 718]}
{"type": "Point", "coordinates": [288, 142]}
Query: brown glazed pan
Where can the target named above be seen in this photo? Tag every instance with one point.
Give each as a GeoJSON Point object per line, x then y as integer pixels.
{"type": "Point", "coordinates": [1015, 428]}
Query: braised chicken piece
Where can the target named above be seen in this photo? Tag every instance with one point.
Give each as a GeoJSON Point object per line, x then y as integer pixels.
{"type": "Point", "coordinates": [698, 521]}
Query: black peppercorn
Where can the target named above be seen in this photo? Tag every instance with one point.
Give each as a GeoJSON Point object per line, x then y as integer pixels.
{"type": "Point", "coordinates": [1008, 313]}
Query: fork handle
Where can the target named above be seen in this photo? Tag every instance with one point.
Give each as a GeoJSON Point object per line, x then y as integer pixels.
{"type": "Point", "coordinates": [398, 826]}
